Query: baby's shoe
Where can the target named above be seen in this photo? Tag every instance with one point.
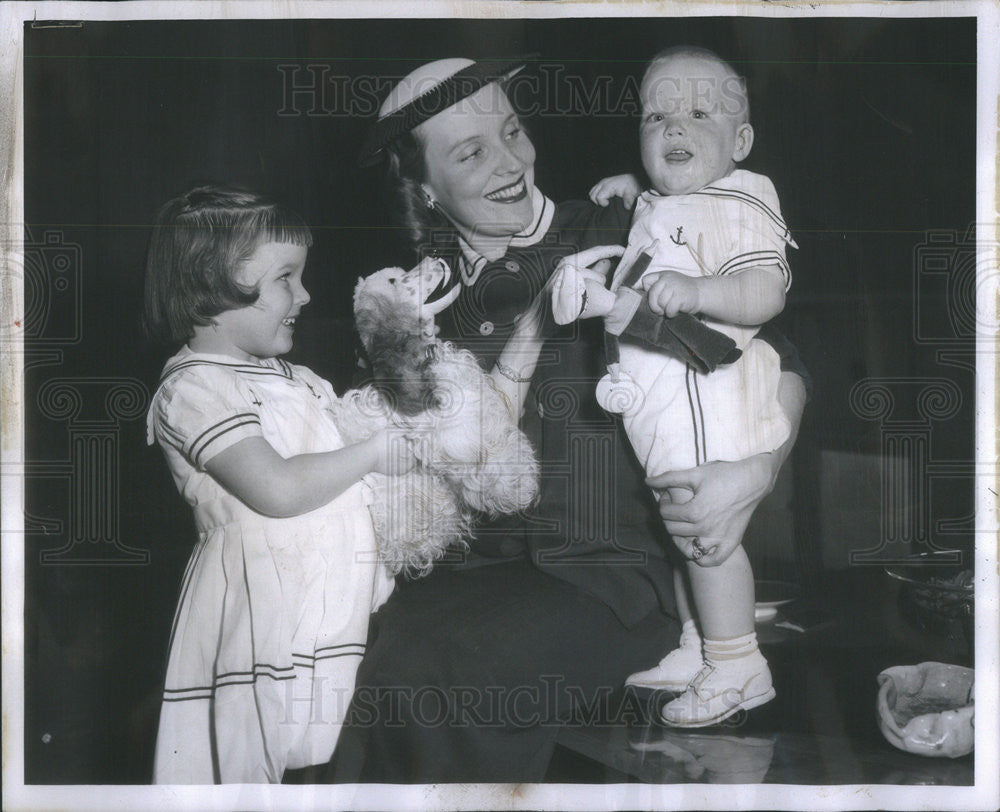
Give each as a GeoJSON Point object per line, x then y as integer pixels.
{"type": "Point", "coordinates": [720, 689]}
{"type": "Point", "coordinates": [675, 671]}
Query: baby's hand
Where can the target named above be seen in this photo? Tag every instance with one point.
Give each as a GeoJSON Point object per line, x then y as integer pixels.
{"type": "Point", "coordinates": [394, 453]}
{"type": "Point", "coordinates": [671, 293]}
{"type": "Point", "coordinates": [624, 186]}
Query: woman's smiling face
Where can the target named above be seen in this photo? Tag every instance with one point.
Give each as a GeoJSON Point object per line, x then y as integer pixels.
{"type": "Point", "coordinates": [480, 166]}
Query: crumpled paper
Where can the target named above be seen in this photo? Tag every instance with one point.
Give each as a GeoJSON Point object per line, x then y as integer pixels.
{"type": "Point", "coordinates": [928, 709]}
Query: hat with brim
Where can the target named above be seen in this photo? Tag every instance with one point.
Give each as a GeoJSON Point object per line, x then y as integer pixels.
{"type": "Point", "coordinates": [429, 90]}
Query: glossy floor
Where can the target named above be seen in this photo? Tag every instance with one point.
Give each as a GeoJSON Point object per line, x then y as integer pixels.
{"type": "Point", "coordinates": [821, 728]}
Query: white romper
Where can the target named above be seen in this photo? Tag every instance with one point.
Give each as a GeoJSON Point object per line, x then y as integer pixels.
{"type": "Point", "coordinates": [273, 613]}
{"type": "Point", "coordinates": [686, 417]}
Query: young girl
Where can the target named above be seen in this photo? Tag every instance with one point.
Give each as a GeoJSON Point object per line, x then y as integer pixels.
{"type": "Point", "coordinates": [273, 613]}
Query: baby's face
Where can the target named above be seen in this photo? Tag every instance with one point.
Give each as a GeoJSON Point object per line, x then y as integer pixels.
{"type": "Point", "coordinates": [693, 128]}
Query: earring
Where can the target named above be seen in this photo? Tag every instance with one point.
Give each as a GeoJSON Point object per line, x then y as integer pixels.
{"type": "Point", "coordinates": [429, 201]}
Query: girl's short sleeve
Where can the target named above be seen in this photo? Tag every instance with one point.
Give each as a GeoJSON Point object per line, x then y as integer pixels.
{"type": "Point", "coordinates": [203, 411]}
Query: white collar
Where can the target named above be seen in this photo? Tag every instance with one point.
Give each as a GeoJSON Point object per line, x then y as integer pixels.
{"type": "Point", "coordinates": [471, 262]}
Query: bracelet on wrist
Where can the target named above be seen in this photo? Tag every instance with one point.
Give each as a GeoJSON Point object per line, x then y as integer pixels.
{"type": "Point", "coordinates": [511, 374]}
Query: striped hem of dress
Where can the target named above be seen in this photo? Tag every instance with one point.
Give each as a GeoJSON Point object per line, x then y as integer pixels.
{"type": "Point", "coordinates": [263, 671]}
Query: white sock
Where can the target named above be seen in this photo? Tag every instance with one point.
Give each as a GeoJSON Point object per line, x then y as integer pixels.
{"type": "Point", "coordinates": [720, 652]}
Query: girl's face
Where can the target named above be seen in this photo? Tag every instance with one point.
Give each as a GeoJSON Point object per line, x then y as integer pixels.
{"type": "Point", "coordinates": [480, 167]}
{"type": "Point", "coordinates": [263, 329]}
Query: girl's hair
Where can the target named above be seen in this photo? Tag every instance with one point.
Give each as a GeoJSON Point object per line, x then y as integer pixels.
{"type": "Point", "coordinates": [199, 241]}
{"type": "Point", "coordinates": [405, 172]}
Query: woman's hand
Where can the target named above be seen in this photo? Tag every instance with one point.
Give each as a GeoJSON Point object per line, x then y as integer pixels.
{"type": "Point", "coordinates": [593, 263]}
{"type": "Point", "coordinates": [578, 284]}
{"type": "Point", "coordinates": [624, 186]}
{"type": "Point", "coordinates": [726, 493]}
{"type": "Point", "coordinates": [725, 497]}
{"type": "Point", "coordinates": [516, 364]}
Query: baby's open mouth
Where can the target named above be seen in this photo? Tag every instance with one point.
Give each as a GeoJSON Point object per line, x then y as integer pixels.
{"type": "Point", "coordinates": [509, 194]}
{"type": "Point", "coordinates": [677, 156]}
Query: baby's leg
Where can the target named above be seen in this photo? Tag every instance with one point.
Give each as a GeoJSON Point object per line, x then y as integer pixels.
{"type": "Point", "coordinates": [736, 675]}
{"type": "Point", "coordinates": [682, 590]}
{"type": "Point", "coordinates": [724, 596]}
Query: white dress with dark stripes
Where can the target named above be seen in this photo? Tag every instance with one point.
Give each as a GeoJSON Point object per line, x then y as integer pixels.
{"type": "Point", "coordinates": [273, 613]}
{"type": "Point", "coordinates": [688, 418]}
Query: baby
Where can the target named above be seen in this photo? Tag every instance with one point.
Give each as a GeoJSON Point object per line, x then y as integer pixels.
{"type": "Point", "coordinates": [707, 240]}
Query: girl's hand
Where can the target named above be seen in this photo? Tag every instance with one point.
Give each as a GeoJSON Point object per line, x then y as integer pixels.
{"type": "Point", "coordinates": [393, 452]}
{"type": "Point", "coordinates": [670, 293]}
{"type": "Point", "coordinates": [725, 497]}
{"type": "Point", "coordinates": [624, 186]}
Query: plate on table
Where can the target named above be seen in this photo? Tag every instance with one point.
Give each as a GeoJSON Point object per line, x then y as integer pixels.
{"type": "Point", "coordinates": [770, 595]}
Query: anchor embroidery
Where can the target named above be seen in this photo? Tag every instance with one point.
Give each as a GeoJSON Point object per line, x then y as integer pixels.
{"type": "Point", "coordinates": [255, 400]}
{"type": "Point", "coordinates": [314, 392]}
{"type": "Point", "coordinates": [678, 239]}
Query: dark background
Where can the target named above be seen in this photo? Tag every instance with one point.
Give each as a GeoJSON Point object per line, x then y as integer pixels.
{"type": "Point", "coordinates": [867, 128]}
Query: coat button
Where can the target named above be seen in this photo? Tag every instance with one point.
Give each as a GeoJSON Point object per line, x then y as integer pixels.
{"type": "Point", "coordinates": [512, 266]}
{"type": "Point", "coordinates": [486, 328]}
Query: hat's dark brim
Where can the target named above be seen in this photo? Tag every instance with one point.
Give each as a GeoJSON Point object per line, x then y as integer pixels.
{"type": "Point", "coordinates": [452, 90]}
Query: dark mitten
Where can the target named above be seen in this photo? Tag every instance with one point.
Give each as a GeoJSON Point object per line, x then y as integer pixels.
{"type": "Point", "coordinates": [683, 337]}
{"type": "Point", "coordinates": [704, 348]}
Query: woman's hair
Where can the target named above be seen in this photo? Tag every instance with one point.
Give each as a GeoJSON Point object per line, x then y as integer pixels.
{"type": "Point", "coordinates": [406, 171]}
{"type": "Point", "coordinates": [199, 241]}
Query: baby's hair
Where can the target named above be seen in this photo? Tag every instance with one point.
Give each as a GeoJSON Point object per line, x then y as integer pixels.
{"type": "Point", "coordinates": [199, 241]}
{"type": "Point", "coordinates": [708, 55]}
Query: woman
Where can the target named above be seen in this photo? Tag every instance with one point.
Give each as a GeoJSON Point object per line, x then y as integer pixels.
{"type": "Point", "coordinates": [469, 672]}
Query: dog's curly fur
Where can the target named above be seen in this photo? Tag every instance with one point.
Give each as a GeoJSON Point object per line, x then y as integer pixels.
{"type": "Point", "coordinates": [471, 455]}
